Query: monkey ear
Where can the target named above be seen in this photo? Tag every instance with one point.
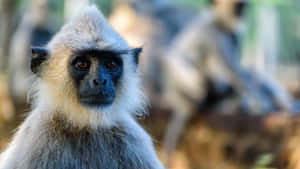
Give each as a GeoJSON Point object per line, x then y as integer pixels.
{"type": "Point", "coordinates": [136, 53]}
{"type": "Point", "coordinates": [38, 56]}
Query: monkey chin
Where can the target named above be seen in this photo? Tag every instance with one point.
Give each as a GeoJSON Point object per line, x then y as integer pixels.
{"type": "Point", "coordinates": [97, 102]}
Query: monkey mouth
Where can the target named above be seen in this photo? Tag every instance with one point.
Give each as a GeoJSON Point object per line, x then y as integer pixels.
{"type": "Point", "coordinates": [96, 100]}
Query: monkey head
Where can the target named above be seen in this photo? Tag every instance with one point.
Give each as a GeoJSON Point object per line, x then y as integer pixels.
{"type": "Point", "coordinates": [88, 72]}
{"type": "Point", "coordinates": [230, 12]}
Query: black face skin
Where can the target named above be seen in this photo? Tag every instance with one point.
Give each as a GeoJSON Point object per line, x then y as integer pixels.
{"type": "Point", "coordinates": [96, 74]}
{"type": "Point", "coordinates": [239, 8]}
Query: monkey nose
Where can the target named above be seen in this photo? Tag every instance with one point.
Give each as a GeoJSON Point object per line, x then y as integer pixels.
{"type": "Point", "coordinates": [98, 82]}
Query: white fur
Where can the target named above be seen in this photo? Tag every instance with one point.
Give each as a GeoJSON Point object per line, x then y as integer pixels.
{"type": "Point", "coordinates": [83, 29]}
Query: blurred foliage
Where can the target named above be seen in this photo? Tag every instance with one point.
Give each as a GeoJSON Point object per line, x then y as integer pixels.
{"type": "Point", "coordinates": [105, 6]}
{"type": "Point", "coordinates": [192, 3]}
{"type": "Point", "coordinates": [263, 162]}
{"type": "Point", "coordinates": [57, 6]}
{"type": "Point", "coordinates": [289, 35]}
{"type": "Point", "coordinates": [289, 18]}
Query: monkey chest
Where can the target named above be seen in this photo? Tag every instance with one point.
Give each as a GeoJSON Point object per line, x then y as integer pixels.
{"type": "Point", "coordinates": [100, 150]}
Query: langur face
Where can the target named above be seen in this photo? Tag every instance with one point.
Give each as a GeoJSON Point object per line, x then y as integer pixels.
{"type": "Point", "coordinates": [96, 74]}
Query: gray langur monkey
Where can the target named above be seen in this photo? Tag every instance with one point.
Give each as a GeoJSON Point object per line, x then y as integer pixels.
{"type": "Point", "coordinates": [202, 72]}
{"type": "Point", "coordinates": [85, 98]}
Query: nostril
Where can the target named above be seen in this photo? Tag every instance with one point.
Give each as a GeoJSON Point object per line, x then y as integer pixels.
{"type": "Point", "coordinates": [96, 82]}
{"type": "Point", "coordinates": [104, 82]}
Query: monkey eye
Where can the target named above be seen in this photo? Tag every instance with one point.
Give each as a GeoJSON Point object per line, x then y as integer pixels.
{"type": "Point", "coordinates": [111, 65]}
{"type": "Point", "coordinates": [82, 64]}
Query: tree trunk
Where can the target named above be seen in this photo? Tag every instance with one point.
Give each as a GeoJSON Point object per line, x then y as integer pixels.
{"type": "Point", "coordinates": [7, 11]}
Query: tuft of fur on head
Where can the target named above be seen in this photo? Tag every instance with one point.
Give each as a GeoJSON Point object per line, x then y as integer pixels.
{"type": "Point", "coordinates": [55, 93]}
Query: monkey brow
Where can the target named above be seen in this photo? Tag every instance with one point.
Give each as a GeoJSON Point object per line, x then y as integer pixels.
{"type": "Point", "coordinates": [101, 52]}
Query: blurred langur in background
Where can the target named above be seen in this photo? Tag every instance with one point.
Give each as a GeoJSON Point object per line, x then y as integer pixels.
{"type": "Point", "coordinates": [152, 24]}
{"type": "Point", "coordinates": [33, 30]}
{"type": "Point", "coordinates": [202, 71]}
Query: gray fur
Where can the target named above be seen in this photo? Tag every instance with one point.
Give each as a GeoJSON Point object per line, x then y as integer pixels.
{"type": "Point", "coordinates": [70, 148]}
{"type": "Point", "coordinates": [57, 144]}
